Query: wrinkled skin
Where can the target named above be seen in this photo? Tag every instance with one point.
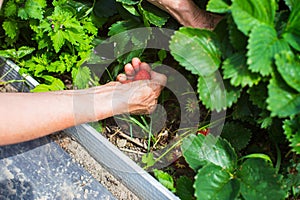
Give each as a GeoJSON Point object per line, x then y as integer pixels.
{"type": "Point", "coordinates": [187, 13]}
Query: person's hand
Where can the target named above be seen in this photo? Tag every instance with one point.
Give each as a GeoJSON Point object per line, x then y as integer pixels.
{"type": "Point", "coordinates": [142, 95]}
{"type": "Point", "coordinates": [187, 13]}
{"type": "Point", "coordinates": [136, 97]}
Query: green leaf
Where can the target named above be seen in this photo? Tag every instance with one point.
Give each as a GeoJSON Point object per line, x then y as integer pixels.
{"type": "Point", "coordinates": [35, 8]}
{"type": "Point", "coordinates": [292, 31]}
{"type": "Point", "coordinates": [37, 64]}
{"type": "Point", "coordinates": [215, 183]}
{"type": "Point", "coordinates": [24, 51]}
{"type": "Point", "coordinates": [258, 94]}
{"type": "Point", "coordinates": [200, 150]}
{"type": "Point", "coordinates": [10, 9]}
{"type": "Point", "coordinates": [265, 120]}
{"type": "Point", "coordinates": [292, 132]}
{"type": "Point", "coordinates": [22, 13]}
{"type": "Point", "coordinates": [250, 13]}
{"type": "Point", "coordinates": [122, 36]}
{"type": "Point", "coordinates": [73, 25]}
{"type": "Point", "coordinates": [81, 77]}
{"type": "Point", "coordinates": [289, 69]}
{"type": "Point", "coordinates": [130, 44]}
{"type": "Point", "coordinates": [290, 3]}
{"type": "Point", "coordinates": [215, 93]}
{"type": "Point", "coordinates": [282, 100]}
{"type": "Point", "coordinates": [217, 6]}
{"type": "Point", "coordinates": [203, 56]}
{"type": "Point", "coordinates": [148, 159]}
{"type": "Point", "coordinates": [58, 39]}
{"type": "Point", "coordinates": [184, 188]}
{"type": "Point", "coordinates": [11, 28]}
{"type": "Point", "coordinates": [79, 8]}
{"type": "Point", "coordinates": [162, 54]}
{"type": "Point", "coordinates": [8, 53]}
{"type": "Point", "coordinates": [154, 15]}
{"type": "Point", "coordinates": [121, 26]}
{"type": "Point", "coordinates": [222, 31]}
{"type": "Point", "coordinates": [51, 84]}
{"type": "Point", "coordinates": [76, 39]}
{"type": "Point", "coordinates": [128, 2]}
{"type": "Point", "coordinates": [131, 9]}
{"type": "Point", "coordinates": [126, 58]}
{"type": "Point", "coordinates": [263, 41]}
{"type": "Point", "coordinates": [236, 69]}
{"type": "Point", "coordinates": [293, 39]}
{"type": "Point", "coordinates": [243, 109]}
{"type": "Point", "coordinates": [236, 134]}
{"type": "Point", "coordinates": [90, 27]}
{"type": "Point", "coordinates": [17, 54]}
{"type": "Point", "coordinates": [57, 66]}
{"type": "Point", "coordinates": [260, 156]}
{"type": "Point", "coordinates": [259, 181]}
{"type": "Point", "coordinates": [293, 179]}
{"type": "Point", "coordinates": [42, 88]}
{"type": "Point", "coordinates": [165, 179]}
{"type": "Point", "coordinates": [238, 40]}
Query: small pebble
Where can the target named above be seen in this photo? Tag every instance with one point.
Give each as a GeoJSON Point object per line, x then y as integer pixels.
{"type": "Point", "coordinates": [121, 143]}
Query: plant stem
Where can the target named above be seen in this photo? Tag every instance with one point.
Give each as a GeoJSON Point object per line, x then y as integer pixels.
{"type": "Point", "coordinates": [278, 162]}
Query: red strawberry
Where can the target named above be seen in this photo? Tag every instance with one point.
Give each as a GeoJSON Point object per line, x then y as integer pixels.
{"type": "Point", "coordinates": [204, 132]}
{"type": "Point", "coordinates": [142, 75]}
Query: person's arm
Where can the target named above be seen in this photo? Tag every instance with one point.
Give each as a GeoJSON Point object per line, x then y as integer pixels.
{"type": "Point", "coordinates": [26, 116]}
{"type": "Point", "coordinates": [187, 13]}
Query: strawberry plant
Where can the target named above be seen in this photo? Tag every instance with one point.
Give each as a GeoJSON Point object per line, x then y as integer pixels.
{"type": "Point", "coordinates": [49, 40]}
{"type": "Point", "coordinates": [253, 58]}
{"type": "Point", "coordinates": [221, 175]}
{"type": "Point", "coordinates": [249, 66]}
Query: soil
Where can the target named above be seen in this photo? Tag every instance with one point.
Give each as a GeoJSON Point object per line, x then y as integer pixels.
{"type": "Point", "coordinates": [6, 88]}
{"type": "Point", "coordinates": [81, 156]}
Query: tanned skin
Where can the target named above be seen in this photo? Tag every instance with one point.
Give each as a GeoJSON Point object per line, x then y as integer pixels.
{"type": "Point", "coordinates": [26, 116]}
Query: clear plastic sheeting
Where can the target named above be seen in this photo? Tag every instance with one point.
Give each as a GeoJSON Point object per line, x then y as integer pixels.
{"type": "Point", "coordinates": [40, 169]}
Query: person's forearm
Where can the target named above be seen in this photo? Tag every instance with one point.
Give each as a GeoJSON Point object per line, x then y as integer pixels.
{"type": "Point", "coordinates": [201, 19]}
{"type": "Point", "coordinates": [191, 15]}
{"type": "Point", "coordinates": [26, 116]}
{"type": "Point", "coordinates": [187, 13]}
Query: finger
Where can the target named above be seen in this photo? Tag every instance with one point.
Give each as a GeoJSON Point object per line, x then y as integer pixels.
{"type": "Point", "coordinates": [121, 78]}
{"type": "Point", "coordinates": [112, 83]}
{"type": "Point", "coordinates": [129, 70]}
{"type": "Point", "coordinates": [151, 108]}
{"type": "Point", "coordinates": [130, 78]}
{"type": "Point", "coordinates": [145, 66]}
{"type": "Point", "coordinates": [136, 62]}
